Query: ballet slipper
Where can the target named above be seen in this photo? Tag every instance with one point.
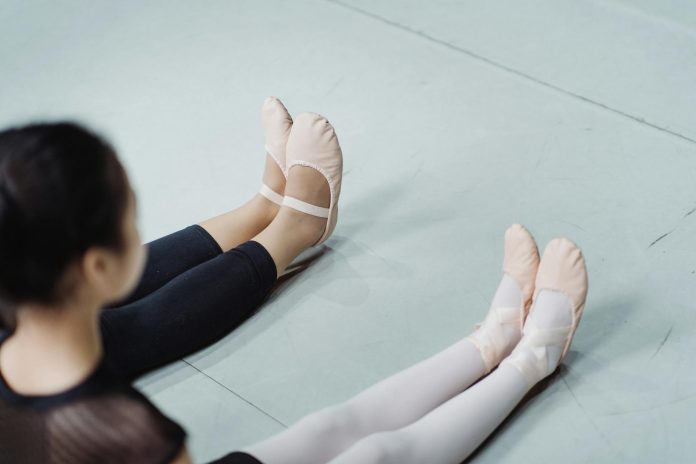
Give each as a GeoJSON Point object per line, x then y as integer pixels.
{"type": "Point", "coordinates": [313, 143]}
{"type": "Point", "coordinates": [521, 262]}
{"type": "Point", "coordinates": [563, 270]}
{"type": "Point", "coordinates": [277, 124]}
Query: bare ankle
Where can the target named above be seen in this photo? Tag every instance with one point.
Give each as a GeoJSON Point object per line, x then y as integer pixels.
{"type": "Point", "coordinates": [303, 226]}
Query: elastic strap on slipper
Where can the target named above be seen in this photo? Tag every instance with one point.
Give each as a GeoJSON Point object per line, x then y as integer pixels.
{"type": "Point", "coordinates": [490, 338]}
{"type": "Point", "coordinates": [305, 207]}
{"type": "Point", "coordinates": [526, 357]}
{"type": "Point", "coordinates": [267, 192]}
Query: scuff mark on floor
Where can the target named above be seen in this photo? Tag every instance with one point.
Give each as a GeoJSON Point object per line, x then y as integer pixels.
{"type": "Point", "coordinates": [574, 225]}
{"type": "Point", "coordinates": [693, 210]}
{"type": "Point", "coordinates": [660, 238]}
{"type": "Point", "coordinates": [664, 340]}
{"type": "Point", "coordinates": [420, 168]}
{"type": "Point", "coordinates": [333, 87]}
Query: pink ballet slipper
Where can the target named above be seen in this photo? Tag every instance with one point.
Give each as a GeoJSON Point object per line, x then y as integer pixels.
{"type": "Point", "coordinates": [277, 124]}
{"type": "Point", "coordinates": [313, 143]}
{"type": "Point", "coordinates": [521, 262]}
{"type": "Point", "coordinates": [562, 270]}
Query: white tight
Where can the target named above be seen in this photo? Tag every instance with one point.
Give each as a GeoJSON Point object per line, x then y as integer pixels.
{"type": "Point", "coordinates": [388, 405]}
{"type": "Point", "coordinates": [450, 432]}
{"type": "Point", "coordinates": [426, 413]}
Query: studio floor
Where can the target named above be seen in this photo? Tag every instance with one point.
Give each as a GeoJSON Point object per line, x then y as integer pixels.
{"type": "Point", "coordinates": [457, 119]}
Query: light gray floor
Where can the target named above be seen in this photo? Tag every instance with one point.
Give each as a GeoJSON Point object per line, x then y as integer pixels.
{"type": "Point", "coordinates": [457, 119]}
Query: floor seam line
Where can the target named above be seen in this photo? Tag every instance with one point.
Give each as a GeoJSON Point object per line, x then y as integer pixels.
{"type": "Point", "coordinates": [237, 395]}
{"type": "Point", "coordinates": [510, 70]}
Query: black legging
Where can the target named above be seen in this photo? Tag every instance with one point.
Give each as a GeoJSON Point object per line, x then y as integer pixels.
{"type": "Point", "coordinates": [190, 295]}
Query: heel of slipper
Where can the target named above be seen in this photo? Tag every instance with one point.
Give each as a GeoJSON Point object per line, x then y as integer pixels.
{"type": "Point", "coordinates": [330, 226]}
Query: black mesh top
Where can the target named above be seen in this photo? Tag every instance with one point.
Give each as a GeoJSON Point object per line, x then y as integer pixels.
{"type": "Point", "coordinates": [101, 420]}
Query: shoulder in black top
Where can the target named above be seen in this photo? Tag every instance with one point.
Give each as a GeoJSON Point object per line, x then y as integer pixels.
{"type": "Point", "coordinates": [102, 419]}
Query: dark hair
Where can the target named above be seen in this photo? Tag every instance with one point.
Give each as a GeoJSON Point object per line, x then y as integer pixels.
{"type": "Point", "coordinates": [62, 190]}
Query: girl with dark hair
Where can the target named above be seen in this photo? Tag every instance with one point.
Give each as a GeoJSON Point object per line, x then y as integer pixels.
{"type": "Point", "coordinates": [88, 309]}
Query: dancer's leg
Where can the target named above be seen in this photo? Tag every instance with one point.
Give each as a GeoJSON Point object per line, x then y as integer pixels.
{"type": "Point", "coordinates": [169, 256]}
{"type": "Point", "coordinates": [206, 302]}
{"type": "Point", "coordinates": [449, 433]}
{"type": "Point", "coordinates": [390, 404]}
{"type": "Point", "coordinates": [189, 312]}
{"type": "Point", "coordinates": [452, 431]}
{"type": "Point", "coordinates": [172, 254]}
{"type": "Point", "coordinates": [408, 395]}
